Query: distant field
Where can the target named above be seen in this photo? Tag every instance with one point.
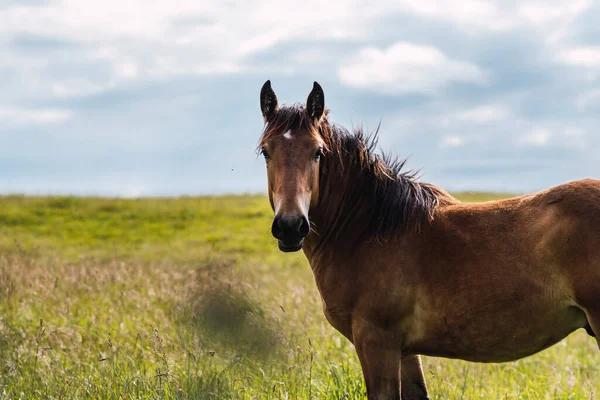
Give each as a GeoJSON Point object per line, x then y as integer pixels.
{"type": "Point", "coordinates": [190, 298]}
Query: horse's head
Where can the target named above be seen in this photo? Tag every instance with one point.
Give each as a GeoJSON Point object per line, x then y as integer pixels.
{"type": "Point", "coordinates": [292, 147]}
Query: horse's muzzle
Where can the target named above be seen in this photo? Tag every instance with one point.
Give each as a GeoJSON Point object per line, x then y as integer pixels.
{"type": "Point", "coordinates": [290, 231]}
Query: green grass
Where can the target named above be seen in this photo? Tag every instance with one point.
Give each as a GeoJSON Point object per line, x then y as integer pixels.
{"type": "Point", "coordinates": [190, 298]}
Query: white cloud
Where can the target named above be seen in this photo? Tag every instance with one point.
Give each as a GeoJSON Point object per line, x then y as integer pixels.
{"type": "Point", "coordinates": [212, 36]}
{"type": "Point", "coordinates": [487, 15]}
{"type": "Point", "coordinates": [581, 56]}
{"type": "Point", "coordinates": [133, 40]}
{"type": "Point", "coordinates": [451, 141]}
{"type": "Point", "coordinates": [35, 116]}
{"type": "Point", "coordinates": [552, 17]}
{"type": "Point", "coordinates": [535, 137]}
{"type": "Point", "coordinates": [482, 114]}
{"type": "Point", "coordinates": [126, 70]}
{"type": "Point", "coordinates": [407, 68]}
{"type": "Point", "coordinates": [72, 87]}
{"type": "Point", "coordinates": [136, 41]}
{"type": "Point", "coordinates": [538, 12]}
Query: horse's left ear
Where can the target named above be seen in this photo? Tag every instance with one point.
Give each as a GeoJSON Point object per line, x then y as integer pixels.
{"type": "Point", "coordinates": [315, 104]}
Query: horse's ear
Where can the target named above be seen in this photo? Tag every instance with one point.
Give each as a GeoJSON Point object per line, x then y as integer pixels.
{"type": "Point", "coordinates": [268, 101]}
{"type": "Point", "coordinates": [315, 104]}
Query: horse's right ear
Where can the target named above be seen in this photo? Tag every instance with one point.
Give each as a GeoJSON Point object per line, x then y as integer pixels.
{"type": "Point", "coordinates": [268, 101]}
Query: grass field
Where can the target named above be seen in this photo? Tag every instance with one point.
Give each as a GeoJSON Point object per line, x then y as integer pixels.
{"type": "Point", "coordinates": [190, 298]}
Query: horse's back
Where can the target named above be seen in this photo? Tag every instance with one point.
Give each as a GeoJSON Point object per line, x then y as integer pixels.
{"type": "Point", "coordinates": [577, 198]}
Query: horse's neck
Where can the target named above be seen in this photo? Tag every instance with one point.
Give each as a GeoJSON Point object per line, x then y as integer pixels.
{"type": "Point", "coordinates": [338, 223]}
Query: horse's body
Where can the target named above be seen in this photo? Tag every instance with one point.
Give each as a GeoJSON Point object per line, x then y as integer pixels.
{"type": "Point", "coordinates": [488, 282]}
{"type": "Point", "coordinates": [404, 269]}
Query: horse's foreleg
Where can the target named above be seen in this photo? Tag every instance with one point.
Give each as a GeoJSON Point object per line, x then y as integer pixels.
{"type": "Point", "coordinates": [413, 379]}
{"type": "Point", "coordinates": [380, 362]}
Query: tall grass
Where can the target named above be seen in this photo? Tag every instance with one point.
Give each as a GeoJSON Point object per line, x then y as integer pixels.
{"type": "Point", "coordinates": [190, 299]}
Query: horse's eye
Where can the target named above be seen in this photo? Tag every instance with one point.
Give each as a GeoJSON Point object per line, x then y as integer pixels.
{"type": "Point", "coordinates": [318, 155]}
{"type": "Point", "coordinates": [263, 151]}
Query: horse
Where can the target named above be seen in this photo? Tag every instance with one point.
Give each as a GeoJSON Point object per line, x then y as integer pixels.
{"type": "Point", "coordinates": [404, 269]}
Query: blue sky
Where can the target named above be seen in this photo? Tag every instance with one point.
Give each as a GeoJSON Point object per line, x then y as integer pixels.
{"type": "Point", "coordinates": [128, 98]}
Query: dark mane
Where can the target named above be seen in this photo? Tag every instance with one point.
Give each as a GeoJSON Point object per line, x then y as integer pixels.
{"type": "Point", "coordinates": [396, 201]}
{"type": "Point", "coordinates": [356, 181]}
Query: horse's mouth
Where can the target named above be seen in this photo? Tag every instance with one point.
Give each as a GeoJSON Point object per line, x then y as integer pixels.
{"type": "Point", "coordinates": [289, 247]}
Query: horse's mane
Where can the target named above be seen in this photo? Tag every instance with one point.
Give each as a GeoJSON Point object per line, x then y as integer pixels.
{"type": "Point", "coordinates": [361, 180]}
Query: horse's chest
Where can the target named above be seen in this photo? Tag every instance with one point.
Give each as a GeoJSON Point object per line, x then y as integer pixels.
{"type": "Point", "coordinates": [338, 316]}
{"type": "Point", "coordinates": [339, 319]}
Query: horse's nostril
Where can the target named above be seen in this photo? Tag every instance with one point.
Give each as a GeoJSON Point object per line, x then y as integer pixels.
{"type": "Point", "coordinates": [304, 227]}
{"type": "Point", "coordinates": [277, 229]}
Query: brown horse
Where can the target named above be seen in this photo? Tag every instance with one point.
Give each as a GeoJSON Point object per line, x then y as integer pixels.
{"type": "Point", "coordinates": [404, 269]}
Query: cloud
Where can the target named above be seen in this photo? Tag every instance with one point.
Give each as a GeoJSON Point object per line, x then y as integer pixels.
{"type": "Point", "coordinates": [482, 114]}
{"type": "Point", "coordinates": [213, 37]}
{"type": "Point", "coordinates": [407, 68]}
{"type": "Point", "coordinates": [581, 56]}
{"type": "Point", "coordinates": [535, 137]}
{"type": "Point", "coordinates": [133, 42]}
{"type": "Point", "coordinates": [34, 116]}
{"type": "Point", "coordinates": [451, 141]}
{"type": "Point", "coordinates": [538, 12]}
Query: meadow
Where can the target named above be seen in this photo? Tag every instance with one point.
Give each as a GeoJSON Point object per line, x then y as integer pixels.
{"type": "Point", "coordinates": [189, 298]}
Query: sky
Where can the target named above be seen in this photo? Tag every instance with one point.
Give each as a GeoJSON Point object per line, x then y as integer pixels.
{"type": "Point", "coordinates": [136, 98]}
